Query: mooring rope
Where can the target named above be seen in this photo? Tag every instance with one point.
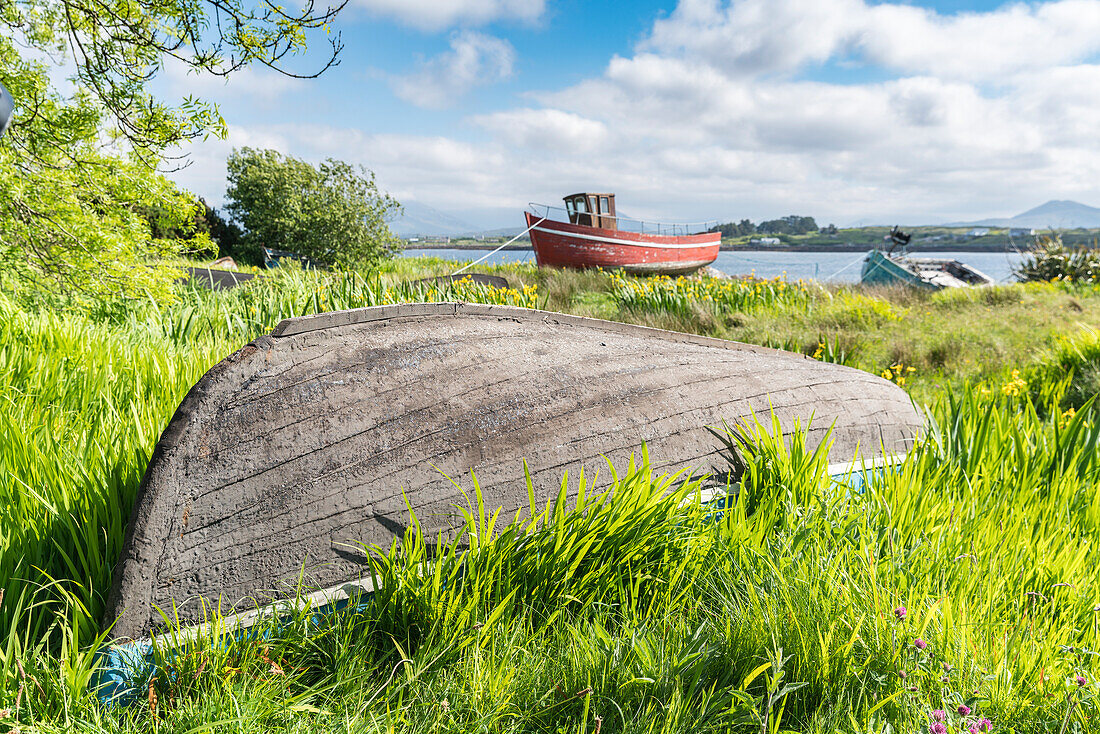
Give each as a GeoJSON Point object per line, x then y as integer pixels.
{"type": "Point", "coordinates": [490, 254]}
{"type": "Point", "coordinates": [830, 277]}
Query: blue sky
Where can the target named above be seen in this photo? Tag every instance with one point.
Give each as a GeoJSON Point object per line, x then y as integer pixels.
{"type": "Point", "coordinates": [846, 110]}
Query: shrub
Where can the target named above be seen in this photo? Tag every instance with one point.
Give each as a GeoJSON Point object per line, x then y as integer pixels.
{"type": "Point", "coordinates": [1049, 259]}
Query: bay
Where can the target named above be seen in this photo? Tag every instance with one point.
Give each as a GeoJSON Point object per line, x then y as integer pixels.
{"type": "Point", "coordinates": [832, 267]}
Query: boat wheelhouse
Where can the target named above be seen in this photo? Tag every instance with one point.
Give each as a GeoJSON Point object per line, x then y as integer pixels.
{"type": "Point", "coordinates": [591, 234]}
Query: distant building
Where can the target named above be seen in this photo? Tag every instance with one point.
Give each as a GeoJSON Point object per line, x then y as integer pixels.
{"type": "Point", "coordinates": [1020, 232]}
{"type": "Point", "coordinates": [413, 239]}
{"type": "Point", "coordinates": [765, 241]}
{"type": "Point", "coordinates": [979, 232]}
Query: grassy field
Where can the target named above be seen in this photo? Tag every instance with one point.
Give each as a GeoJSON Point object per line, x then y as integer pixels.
{"type": "Point", "coordinates": [962, 581]}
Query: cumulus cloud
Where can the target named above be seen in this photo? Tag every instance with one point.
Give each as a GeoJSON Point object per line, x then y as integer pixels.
{"type": "Point", "coordinates": [547, 129]}
{"type": "Point", "coordinates": [433, 15]}
{"type": "Point", "coordinates": [983, 112]}
{"type": "Point", "coordinates": [724, 110]}
{"type": "Point", "coordinates": [758, 37]}
{"type": "Point", "coordinates": [474, 59]}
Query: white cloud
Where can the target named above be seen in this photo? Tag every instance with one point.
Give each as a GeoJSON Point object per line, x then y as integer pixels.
{"type": "Point", "coordinates": [757, 37]}
{"type": "Point", "coordinates": [981, 46]}
{"type": "Point", "coordinates": [433, 15]}
{"type": "Point", "coordinates": [979, 114]}
{"type": "Point", "coordinates": [547, 129]}
{"type": "Point", "coordinates": [475, 59]}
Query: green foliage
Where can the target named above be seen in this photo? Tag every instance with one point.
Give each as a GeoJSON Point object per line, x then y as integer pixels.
{"type": "Point", "coordinates": [72, 218]}
{"type": "Point", "coordinates": [1073, 362]}
{"type": "Point", "coordinates": [792, 224]}
{"type": "Point", "coordinates": [78, 171]}
{"type": "Point", "coordinates": [635, 605]}
{"type": "Point", "coordinates": [661, 293]}
{"type": "Point", "coordinates": [740, 229]}
{"type": "Point", "coordinates": [227, 236]}
{"type": "Point", "coordinates": [118, 47]}
{"type": "Point", "coordinates": [1049, 259]}
{"type": "Point", "coordinates": [333, 213]}
{"type": "Point", "coordinates": [87, 395]}
{"type": "Point", "coordinates": [789, 225]}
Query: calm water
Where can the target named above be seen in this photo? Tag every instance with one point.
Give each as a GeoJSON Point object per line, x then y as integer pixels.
{"type": "Point", "coordinates": [839, 267]}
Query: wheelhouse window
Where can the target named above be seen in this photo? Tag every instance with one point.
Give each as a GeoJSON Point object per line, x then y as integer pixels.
{"type": "Point", "coordinates": [591, 210]}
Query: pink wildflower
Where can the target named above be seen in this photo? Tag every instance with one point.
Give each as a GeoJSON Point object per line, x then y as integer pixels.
{"type": "Point", "coordinates": [939, 715]}
{"type": "Point", "coordinates": [1082, 681]}
{"type": "Point", "coordinates": [963, 709]}
{"type": "Point", "coordinates": [938, 728]}
{"type": "Point", "coordinates": [900, 612]}
{"type": "Point", "coordinates": [920, 644]}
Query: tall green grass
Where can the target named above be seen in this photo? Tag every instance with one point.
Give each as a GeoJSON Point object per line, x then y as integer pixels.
{"type": "Point", "coordinates": [634, 606]}
{"type": "Point", "coordinates": [682, 296]}
{"type": "Point", "coordinates": [86, 395]}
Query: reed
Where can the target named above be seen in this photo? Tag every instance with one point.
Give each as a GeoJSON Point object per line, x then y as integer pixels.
{"type": "Point", "coordinates": [661, 293]}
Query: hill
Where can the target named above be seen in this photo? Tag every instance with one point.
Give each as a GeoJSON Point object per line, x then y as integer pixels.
{"type": "Point", "coordinates": [1055, 214]}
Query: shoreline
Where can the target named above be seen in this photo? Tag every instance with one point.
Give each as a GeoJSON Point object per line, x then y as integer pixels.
{"type": "Point", "coordinates": [847, 247]}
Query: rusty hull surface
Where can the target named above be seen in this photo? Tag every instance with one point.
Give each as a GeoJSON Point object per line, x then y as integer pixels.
{"type": "Point", "coordinates": [292, 451]}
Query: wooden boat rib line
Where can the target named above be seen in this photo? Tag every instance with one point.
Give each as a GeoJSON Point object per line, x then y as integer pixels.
{"type": "Point", "coordinates": [632, 443]}
{"type": "Point", "coordinates": [392, 449]}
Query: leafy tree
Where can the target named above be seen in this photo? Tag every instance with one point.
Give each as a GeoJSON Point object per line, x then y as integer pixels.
{"type": "Point", "coordinates": [792, 224]}
{"type": "Point", "coordinates": [740, 229]}
{"type": "Point", "coordinates": [227, 235]}
{"type": "Point", "coordinates": [332, 213]}
{"type": "Point", "coordinates": [79, 171]}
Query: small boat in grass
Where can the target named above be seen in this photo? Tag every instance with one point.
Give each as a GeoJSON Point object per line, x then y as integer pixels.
{"type": "Point", "coordinates": [293, 455]}
{"type": "Point", "coordinates": [590, 235]}
{"type": "Point", "coordinates": [885, 268]}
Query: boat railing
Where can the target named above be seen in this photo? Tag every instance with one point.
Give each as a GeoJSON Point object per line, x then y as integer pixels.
{"type": "Point", "coordinates": [627, 224]}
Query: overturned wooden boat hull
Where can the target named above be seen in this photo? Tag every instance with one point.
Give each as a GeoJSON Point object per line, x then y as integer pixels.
{"type": "Point", "coordinates": [292, 452]}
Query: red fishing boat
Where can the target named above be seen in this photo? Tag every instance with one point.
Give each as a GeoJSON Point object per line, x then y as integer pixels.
{"type": "Point", "coordinates": [594, 236]}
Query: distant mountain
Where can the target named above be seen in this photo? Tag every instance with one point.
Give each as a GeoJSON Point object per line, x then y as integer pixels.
{"type": "Point", "coordinates": [421, 219]}
{"type": "Point", "coordinates": [1058, 214]}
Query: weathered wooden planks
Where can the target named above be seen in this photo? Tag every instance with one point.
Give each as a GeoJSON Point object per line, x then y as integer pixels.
{"type": "Point", "coordinates": [297, 447]}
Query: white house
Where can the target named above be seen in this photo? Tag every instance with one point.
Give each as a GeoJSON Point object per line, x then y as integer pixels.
{"type": "Point", "coordinates": [1020, 232]}
{"type": "Point", "coordinates": [979, 232]}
